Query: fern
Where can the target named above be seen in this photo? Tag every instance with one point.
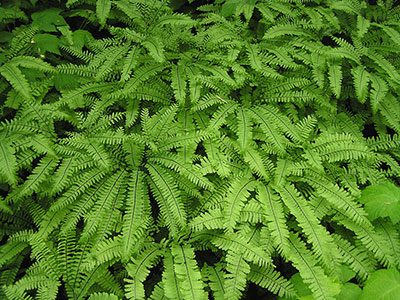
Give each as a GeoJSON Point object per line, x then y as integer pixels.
{"type": "Point", "coordinates": [170, 150]}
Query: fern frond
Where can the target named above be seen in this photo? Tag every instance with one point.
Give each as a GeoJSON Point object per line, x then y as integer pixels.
{"type": "Point", "coordinates": [136, 203]}
{"type": "Point", "coordinates": [274, 216]}
{"type": "Point", "coordinates": [178, 82]}
{"type": "Point", "coordinates": [169, 278]}
{"type": "Point", "coordinates": [271, 280]}
{"type": "Point", "coordinates": [210, 220]}
{"type": "Point", "coordinates": [235, 199]}
{"type": "Point", "coordinates": [391, 241]}
{"type": "Point", "coordinates": [355, 257]}
{"type": "Point", "coordinates": [103, 296]}
{"type": "Point", "coordinates": [109, 195]}
{"type": "Point", "coordinates": [187, 273]}
{"type": "Point", "coordinates": [335, 78]}
{"type": "Point", "coordinates": [338, 198]}
{"type": "Point", "coordinates": [8, 163]}
{"type": "Point", "coordinates": [103, 8]}
{"type": "Point", "coordinates": [169, 199]}
{"type": "Point", "coordinates": [139, 269]}
{"type": "Point", "coordinates": [38, 176]}
{"type": "Point", "coordinates": [378, 92]}
{"type": "Point", "coordinates": [16, 79]}
{"type": "Point", "coordinates": [235, 280]}
{"type": "Point", "coordinates": [141, 74]}
{"type": "Point", "coordinates": [112, 55]}
{"type": "Point", "coordinates": [155, 47]}
{"type": "Point", "coordinates": [33, 63]}
{"type": "Point", "coordinates": [284, 29]}
{"type": "Point", "coordinates": [216, 276]}
{"type": "Point", "coordinates": [370, 239]}
{"type": "Point", "coordinates": [361, 80]}
{"type": "Point", "coordinates": [322, 287]}
{"type": "Point", "coordinates": [236, 243]}
{"type": "Point", "coordinates": [175, 163]}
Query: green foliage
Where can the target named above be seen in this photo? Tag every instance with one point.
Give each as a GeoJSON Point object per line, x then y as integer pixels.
{"type": "Point", "coordinates": [383, 284]}
{"type": "Point", "coordinates": [382, 200]}
{"type": "Point", "coordinates": [163, 150]}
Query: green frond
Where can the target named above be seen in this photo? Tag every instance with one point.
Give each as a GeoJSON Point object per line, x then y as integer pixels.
{"type": "Point", "coordinates": [62, 175]}
{"type": "Point", "coordinates": [187, 273]}
{"type": "Point", "coordinates": [209, 220]}
{"type": "Point", "coordinates": [158, 292]}
{"type": "Point", "coordinates": [362, 26]}
{"type": "Point", "coordinates": [274, 216]}
{"type": "Point", "coordinates": [157, 125]}
{"type": "Point", "coordinates": [38, 176]}
{"type": "Point", "coordinates": [81, 185]}
{"type": "Point", "coordinates": [140, 75]}
{"type": "Point", "coordinates": [155, 47]}
{"type": "Point", "coordinates": [256, 162]}
{"type": "Point", "coordinates": [32, 63]}
{"type": "Point", "coordinates": [337, 147]}
{"type": "Point", "coordinates": [253, 57]}
{"type": "Point", "coordinates": [237, 196]}
{"type": "Point", "coordinates": [105, 251]}
{"type": "Point", "coordinates": [168, 198]}
{"type": "Point", "coordinates": [355, 257]}
{"type": "Point", "coordinates": [236, 243]}
{"type": "Point", "coordinates": [136, 207]}
{"type": "Point", "coordinates": [391, 241]}
{"type": "Point", "coordinates": [244, 128]}
{"type": "Point", "coordinates": [103, 296]}
{"type": "Point", "coordinates": [361, 80]}
{"type": "Point", "coordinates": [378, 92]}
{"type": "Point", "coordinates": [16, 79]}
{"type": "Point", "coordinates": [139, 269]}
{"type": "Point", "coordinates": [338, 198]}
{"type": "Point", "coordinates": [8, 163]}
{"type": "Point", "coordinates": [112, 55]}
{"type": "Point", "coordinates": [129, 63]}
{"type": "Point", "coordinates": [108, 197]}
{"type": "Point", "coordinates": [370, 239]}
{"type": "Point", "coordinates": [220, 115]}
{"type": "Point", "coordinates": [284, 29]}
{"type": "Point", "coordinates": [74, 98]}
{"type": "Point", "coordinates": [103, 8]}
{"type": "Point", "coordinates": [216, 276]}
{"type": "Point", "coordinates": [10, 250]}
{"type": "Point", "coordinates": [271, 280]}
{"type": "Point", "coordinates": [391, 115]}
{"type": "Point", "coordinates": [236, 278]}
{"type": "Point", "coordinates": [170, 279]}
{"type": "Point", "coordinates": [175, 19]}
{"type": "Point", "coordinates": [384, 64]}
{"type": "Point", "coordinates": [322, 243]}
{"type": "Point", "coordinates": [322, 287]}
{"type": "Point", "coordinates": [335, 77]}
{"type": "Point", "coordinates": [178, 77]}
{"type": "Point", "coordinates": [391, 32]}
{"type": "Point", "coordinates": [185, 169]}
{"type": "Point", "coordinates": [384, 142]}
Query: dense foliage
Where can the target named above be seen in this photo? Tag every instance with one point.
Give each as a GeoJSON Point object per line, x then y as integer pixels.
{"type": "Point", "coordinates": [183, 150]}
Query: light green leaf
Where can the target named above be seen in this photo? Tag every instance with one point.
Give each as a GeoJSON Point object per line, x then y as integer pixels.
{"type": "Point", "coordinates": [382, 285]}
{"type": "Point", "coordinates": [382, 200]}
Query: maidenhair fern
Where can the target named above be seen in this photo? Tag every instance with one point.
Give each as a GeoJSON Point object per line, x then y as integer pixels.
{"type": "Point", "coordinates": [155, 149]}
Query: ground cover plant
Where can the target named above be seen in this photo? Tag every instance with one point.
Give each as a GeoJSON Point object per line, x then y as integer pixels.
{"type": "Point", "coordinates": [230, 149]}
